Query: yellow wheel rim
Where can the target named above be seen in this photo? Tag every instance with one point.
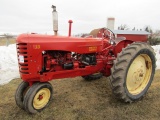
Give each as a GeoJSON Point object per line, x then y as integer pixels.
{"type": "Point", "coordinates": [41, 98]}
{"type": "Point", "coordinates": [139, 74]}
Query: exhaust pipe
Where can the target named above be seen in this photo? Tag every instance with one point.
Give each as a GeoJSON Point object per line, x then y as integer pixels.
{"type": "Point", "coordinates": [55, 20]}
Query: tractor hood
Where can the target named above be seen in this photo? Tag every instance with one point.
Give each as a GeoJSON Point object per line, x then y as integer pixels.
{"type": "Point", "coordinates": [50, 42]}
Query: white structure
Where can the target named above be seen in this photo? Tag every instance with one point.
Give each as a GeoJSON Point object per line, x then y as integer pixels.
{"type": "Point", "coordinates": [110, 23]}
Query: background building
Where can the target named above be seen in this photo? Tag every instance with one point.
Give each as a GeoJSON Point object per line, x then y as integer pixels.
{"type": "Point", "coordinates": [110, 23]}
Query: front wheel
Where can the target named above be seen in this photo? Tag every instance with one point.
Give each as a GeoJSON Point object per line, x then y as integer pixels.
{"type": "Point", "coordinates": [133, 72]}
{"type": "Point", "coordinates": [20, 92]}
{"type": "Point", "coordinates": [38, 97]}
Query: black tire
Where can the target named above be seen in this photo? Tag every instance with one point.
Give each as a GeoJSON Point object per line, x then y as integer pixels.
{"type": "Point", "coordinates": [20, 92]}
{"type": "Point", "coordinates": [93, 76]}
{"type": "Point", "coordinates": [37, 92]}
{"type": "Point", "coordinates": [122, 78]}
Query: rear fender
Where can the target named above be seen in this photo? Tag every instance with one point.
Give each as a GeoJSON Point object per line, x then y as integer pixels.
{"type": "Point", "coordinates": [120, 45]}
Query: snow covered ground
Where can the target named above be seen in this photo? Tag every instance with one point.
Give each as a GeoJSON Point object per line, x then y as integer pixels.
{"type": "Point", "coordinates": [157, 51]}
{"type": "Point", "coordinates": [9, 63]}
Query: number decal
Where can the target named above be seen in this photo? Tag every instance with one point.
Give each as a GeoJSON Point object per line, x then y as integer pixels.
{"type": "Point", "coordinates": [36, 46]}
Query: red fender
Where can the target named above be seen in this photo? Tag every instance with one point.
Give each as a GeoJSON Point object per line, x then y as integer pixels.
{"type": "Point", "coordinates": [120, 45]}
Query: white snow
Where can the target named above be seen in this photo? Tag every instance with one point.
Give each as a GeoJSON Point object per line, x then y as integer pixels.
{"type": "Point", "coordinates": [157, 51]}
{"type": "Point", "coordinates": [9, 64]}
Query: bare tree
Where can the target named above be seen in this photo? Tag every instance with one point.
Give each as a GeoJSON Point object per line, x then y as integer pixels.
{"type": "Point", "coordinates": [154, 37]}
{"type": "Point", "coordinates": [134, 29]}
{"type": "Point", "coordinates": [148, 29]}
{"type": "Point", "coordinates": [123, 27]}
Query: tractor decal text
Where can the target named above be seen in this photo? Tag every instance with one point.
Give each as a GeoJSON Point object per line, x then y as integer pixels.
{"type": "Point", "coordinates": [93, 48]}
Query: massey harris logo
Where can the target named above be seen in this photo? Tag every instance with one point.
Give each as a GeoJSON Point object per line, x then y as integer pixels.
{"type": "Point", "coordinates": [93, 48]}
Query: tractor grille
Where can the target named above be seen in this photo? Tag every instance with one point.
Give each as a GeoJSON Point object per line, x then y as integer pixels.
{"type": "Point", "coordinates": [22, 58]}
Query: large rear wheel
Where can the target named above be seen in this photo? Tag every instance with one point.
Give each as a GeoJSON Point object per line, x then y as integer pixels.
{"type": "Point", "coordinates": [133, 72]}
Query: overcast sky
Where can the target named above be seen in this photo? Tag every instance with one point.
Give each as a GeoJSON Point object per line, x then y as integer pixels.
{"type": "Point", "coordinates": [21, 16]}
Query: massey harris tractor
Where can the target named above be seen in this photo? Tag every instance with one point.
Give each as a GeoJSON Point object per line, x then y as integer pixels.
{"type": "Point", "coordinates": [42, 58]}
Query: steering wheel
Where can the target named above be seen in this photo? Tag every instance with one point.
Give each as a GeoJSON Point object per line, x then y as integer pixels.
{"type": "Point", "coordinates": [109, 34]}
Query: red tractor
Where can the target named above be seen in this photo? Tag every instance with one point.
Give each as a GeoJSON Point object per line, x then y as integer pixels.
{"type": "Point", "coordinates": [42, 58]}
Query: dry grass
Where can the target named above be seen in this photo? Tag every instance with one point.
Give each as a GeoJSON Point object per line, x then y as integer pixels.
{"type": "Point", "coordinates": [76, 99]}
{"type": "Point", "coordinates": [3, 41]}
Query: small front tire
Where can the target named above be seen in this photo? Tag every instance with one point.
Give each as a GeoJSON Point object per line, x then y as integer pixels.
{"type": "Point", "coordinates": [20, 92]}
{"type": "Point", "coordinates": [38, 97]}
